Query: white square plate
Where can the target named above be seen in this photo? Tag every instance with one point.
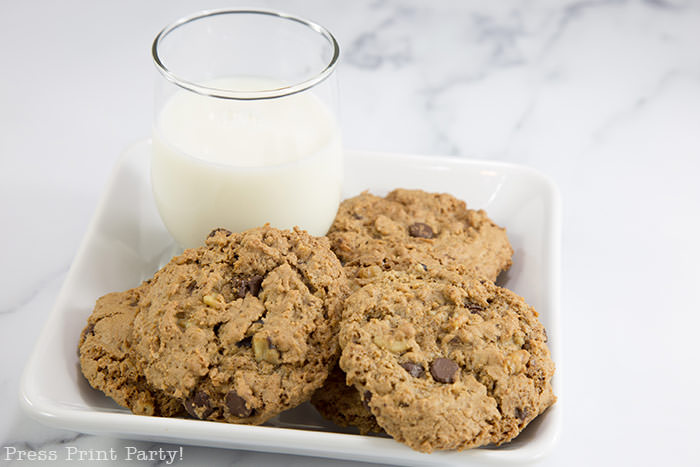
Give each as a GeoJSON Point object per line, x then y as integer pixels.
{"type": "Point", "coordinates": [126, 242]}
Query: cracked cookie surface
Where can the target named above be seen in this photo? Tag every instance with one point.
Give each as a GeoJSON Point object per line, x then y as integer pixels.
{"type": "Point", "coordinates": [413, 230]}
{"type": "Point", "coordinates": [107, 360]}
{"type": "Point", "coordinates": [445, 360]}
{"type": "Point", "coordinates": [245, 327]}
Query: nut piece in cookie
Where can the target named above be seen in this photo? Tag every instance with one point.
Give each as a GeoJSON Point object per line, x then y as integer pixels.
{"type": "Point", "coordinates": [446, 360]}
{"type": "Point", "coordinates": [245, 327]}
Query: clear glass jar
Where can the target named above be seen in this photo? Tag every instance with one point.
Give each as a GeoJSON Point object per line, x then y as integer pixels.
{"type": "Point", "coordinates": [245, 128]}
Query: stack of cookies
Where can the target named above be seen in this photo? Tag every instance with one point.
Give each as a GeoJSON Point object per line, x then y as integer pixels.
{"type": "Point", "coordinates": [391, 323]}
{"type": "Point", "coordinates": [433, 352]}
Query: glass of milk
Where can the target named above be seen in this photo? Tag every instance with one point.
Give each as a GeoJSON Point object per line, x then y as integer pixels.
{"type": "Point", "coordinates": [245, 129]}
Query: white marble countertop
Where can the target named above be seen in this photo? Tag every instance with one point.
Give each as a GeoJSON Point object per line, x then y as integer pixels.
{"type": "Point", "coordinates": [602, 96]}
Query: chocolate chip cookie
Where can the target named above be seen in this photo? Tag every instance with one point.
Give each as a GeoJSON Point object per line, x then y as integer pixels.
{"type": "Point", "coordinates": [244, 327]}
{"type": "Point", "coordinates": [446, 360]}
{"type": "Point", "coordinates": [413, 230]}
{"type": "Point", "coordinates": [107, 360]}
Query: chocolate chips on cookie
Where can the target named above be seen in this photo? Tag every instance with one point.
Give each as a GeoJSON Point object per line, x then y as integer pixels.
{"type": "Point", "coordinates": [408, 229]}
{"type": "Point", "coordinates": [238, 330]}
{"type": "Point", "coordinates": [426, 349]}
{"type": "Point", "coordinates": [258, 333]}
{"type": "Point", "coordinates": [414, 369]}
{"type": "Point", "coordinates": [443, 370]}
{"type": "Point", "coordinates": [420, 230]}
{"type": "Point", "coordinates": [481, 385]}
{"type": "Point", "coordinates": [250, 285]}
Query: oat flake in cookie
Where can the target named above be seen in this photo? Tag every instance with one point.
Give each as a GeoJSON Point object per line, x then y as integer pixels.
{"type": "Point", "coordinates": [107, 360]}
{"type": "Point", "coordinates": [446, 360]}
{"type": "Point", "coordinates": [413, 230]}
{"type": "Point", "coordinates": [245, 327]}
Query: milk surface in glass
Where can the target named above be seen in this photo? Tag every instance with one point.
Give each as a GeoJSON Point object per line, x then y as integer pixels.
{"type": "Point", "coordinates": [238, 164]}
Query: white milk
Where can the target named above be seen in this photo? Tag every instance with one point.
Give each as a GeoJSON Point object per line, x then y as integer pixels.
{"type": "Point", "coordinates": [240, 164]}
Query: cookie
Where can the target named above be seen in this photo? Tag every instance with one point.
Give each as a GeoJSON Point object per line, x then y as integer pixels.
{"type": "Point", "coordinates": [245, 327]}
{"type": "Point", "coordinates": [446, 360]}
{"type": "Point", "coordinates": [412, 230]}
{"type": "Point", "coordinates": [343, 405]}
{"type": "Point", "coordinates": [107, 360]}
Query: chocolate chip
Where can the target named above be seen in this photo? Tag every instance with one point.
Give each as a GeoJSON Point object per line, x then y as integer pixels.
{"type": "Point", "coordinates": [521, 413]}
{"type": "Point", "coordinates": [366, 397]}
{"type": "Point", "coordinates": [414, 369]}
{"type": "Point", "coordinates": [421, 230]}
{"type": "Point", "coordinates": [443, 370]}
{"type": "Point", "coordinates": [473, 307]}
{"type": "Point", "coordinates": [251, 285]}
{"type": "Point", "coordinates": [425, 268]}
{"type": "Point", "coordinates": [199, 403]}
{"type": "Point", "coordinates": [220, 229]}
{"type": "Point", "coordinates": [254, 285]}
{"type": "Point", "coordinates": [237, 405]}
{"type": "Point", "coordinates": [247, 342]}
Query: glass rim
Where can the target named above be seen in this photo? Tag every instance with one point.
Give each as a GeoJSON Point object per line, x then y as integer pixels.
{"type": "Point", "coordinates": [244, 95]}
